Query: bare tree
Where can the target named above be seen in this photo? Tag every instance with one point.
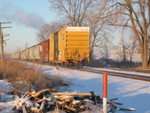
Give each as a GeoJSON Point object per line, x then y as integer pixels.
{"type": "Point", "coordinates": [122, 49]}
{"type": "Point", "coordinates": [43, 33]}
{"type": "Point", "coordinates": [75, 11]}
{"type": "Point", "coordinates": [98, 25]}
{"type": "Point", "coordinates": [135, 15]}
{"type": "Point", "coordinates": [105, 45]}
{"type": "Point", "coordinates": [95, 30]}
{"type": "Point", "coordinates": [132, 47]}
{"type": "Point", "coordinates": [126, 48]}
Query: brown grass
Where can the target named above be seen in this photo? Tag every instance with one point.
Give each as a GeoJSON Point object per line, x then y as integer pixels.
{"type": "Point", "coordinates": [23, 78]}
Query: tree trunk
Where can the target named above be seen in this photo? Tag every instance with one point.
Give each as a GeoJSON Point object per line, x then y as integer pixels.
{"type": "Point", "coordinates": [91, 55]}
{"type": "Point", "coordinates": [145, 54]}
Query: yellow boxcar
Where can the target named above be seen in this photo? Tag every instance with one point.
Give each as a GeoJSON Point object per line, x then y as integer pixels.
{"type": "Point", "coordinates": [51, 47]}
{"type": "Point", "coordinates": [70, 45]}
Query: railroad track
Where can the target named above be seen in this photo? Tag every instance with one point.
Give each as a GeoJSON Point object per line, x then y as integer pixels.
{"type": "Point", "coordinates": [118, 74]}
{"type": "Point", "coordinates": [111, 73]}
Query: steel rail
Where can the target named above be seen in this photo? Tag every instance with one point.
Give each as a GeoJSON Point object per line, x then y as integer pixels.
{"type": "Point", "coordinates": [121, 74]}
{"type": "Point", "coordinates": [111, 73]}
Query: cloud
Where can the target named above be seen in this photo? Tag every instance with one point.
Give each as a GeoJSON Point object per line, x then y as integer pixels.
{"type": "Point", "coordinates": [19, 16]}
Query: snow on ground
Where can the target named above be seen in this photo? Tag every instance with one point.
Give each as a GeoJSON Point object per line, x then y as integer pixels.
{"type": "Point", "coordinates": [132, 93]}
{"type": "Point", "coordinates": [6, 100]}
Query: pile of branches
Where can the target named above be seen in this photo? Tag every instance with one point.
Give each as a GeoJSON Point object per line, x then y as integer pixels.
{"type": "Point", "coordinates": [49, 100]}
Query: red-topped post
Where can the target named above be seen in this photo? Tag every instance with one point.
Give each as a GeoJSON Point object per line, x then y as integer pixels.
{"type": "Point", "coordinates": [105, 93]}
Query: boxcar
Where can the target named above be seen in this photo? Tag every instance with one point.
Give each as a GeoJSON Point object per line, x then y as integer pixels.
{"type": "Point", "coordinates": [36, 52]}
{"type": "Point", "coordinates": [44, 48]}
{"type": "Point", "coordinates": [23, 55]}
{"type": "Point", "coordinates": [16, 56]}
{"type": "Point", "coordinates": [51, 48]}
{"type": "Point", "coordinates": [27, 54]}
{"type": "Point", "coordinates": [31, 53]}
{"type": "Point", "coordinates": [31, 56]}
{"type": "Point", "coordinates": [69, 45]}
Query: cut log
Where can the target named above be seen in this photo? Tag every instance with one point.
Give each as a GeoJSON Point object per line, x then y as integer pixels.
{"type": "Point", "coordinates": [40, 101]}
{"type": "Point", "coordinates": [49, 99]}
{"type": "Point", "coordinates": [112, 105]}
{"type": "Point", "coordinates": [25, 95]}
{"type": "Point", "coordinates": [113, 99]}
{"type": "Point", "coordinates": [43, 92]}
{"type": "Point", "coordinates": [36, 98]}
{"type": "Point", "coordinates": [128, 109]}
{"type": "Point", "coordinates": [16, 91]}
{"type": "Point", "coordinates": [88, 101]}
{"type": "Point", "coordinates": [118, 103]}
{"type": "Point", "coordinates": [76, 102]}
{"type": "Point", "coordinates": [69, 108]}
{"type": "Point", "coordinates": [72, 94]}
{"type": "Point", "coordinates": [37, 105]}
{"type": "Point", "coordinates": [64, 98]}
{"type": "Point", "coordinates": [42, 105]}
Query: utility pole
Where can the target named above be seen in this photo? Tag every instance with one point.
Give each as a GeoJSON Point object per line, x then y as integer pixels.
{"type": "Point", "coordinates": [2, 40]}
{"type": "Point", "coordinates": [1, 45]}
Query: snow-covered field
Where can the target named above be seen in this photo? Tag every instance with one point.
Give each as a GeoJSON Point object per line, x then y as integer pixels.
{"type": "Point", "coordinates": [6, 100]}
{"type": "Point", "coordinates": [132, 93]}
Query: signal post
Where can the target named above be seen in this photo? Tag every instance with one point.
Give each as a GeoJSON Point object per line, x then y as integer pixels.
{"type": "Point", "coordinates": [105, 88]}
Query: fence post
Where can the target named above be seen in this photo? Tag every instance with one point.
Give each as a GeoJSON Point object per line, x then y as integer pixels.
{"type": "Point", "coordinates": [105, 93]}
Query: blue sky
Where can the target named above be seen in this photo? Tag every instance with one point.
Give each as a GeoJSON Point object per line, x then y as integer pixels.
{"type": "Point", "coordinates": [27, 16]}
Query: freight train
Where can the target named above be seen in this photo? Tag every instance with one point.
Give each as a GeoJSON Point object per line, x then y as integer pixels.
{"type": "Point", "coordinates": [67, 46]}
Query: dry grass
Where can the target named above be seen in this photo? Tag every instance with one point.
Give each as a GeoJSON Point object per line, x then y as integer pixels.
{"type": "Point", "coordinates": [24, 78]}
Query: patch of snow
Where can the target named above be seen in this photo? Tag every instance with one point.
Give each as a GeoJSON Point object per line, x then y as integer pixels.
{"type": "Point", "coordinates": [5, 86]}
{"type": "Point", "coordinates": [132, 93]}
{"type": "Point", "coordinates": [130, 87]}
{"type": "Point", "coordinates": [6, 100]}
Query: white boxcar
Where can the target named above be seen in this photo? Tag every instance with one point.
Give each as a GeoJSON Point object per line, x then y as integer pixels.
{"type": "Point", "coordinates": [27, 54]}
{"type": "Point", "coordinates": [16, 56]}
{"type": "Point", "coordinates": [36, 52]}
{"type": "Point", "coordinates": [23, 55]}
{"type": "Point", "coordinates": [32, 53]}
{"type": "Point", "coordinates": [31, 56]}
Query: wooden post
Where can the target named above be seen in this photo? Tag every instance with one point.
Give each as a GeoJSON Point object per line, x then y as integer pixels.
{"type": "Point", "coordinates": [105, 93]}
{"type": "Point", "coordinates": [1, 45]}
{"type": "Point", "coordinates": [2, 40]}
